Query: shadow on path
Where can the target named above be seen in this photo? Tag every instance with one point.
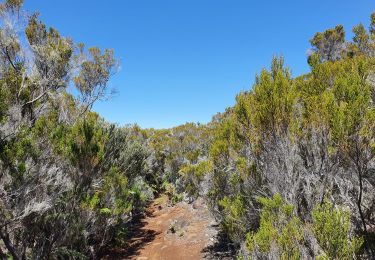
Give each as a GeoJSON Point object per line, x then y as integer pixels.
{"type": "Point", "coordinates": [222, 248]}
{"type": "Point", "coordinates": [136, 238]}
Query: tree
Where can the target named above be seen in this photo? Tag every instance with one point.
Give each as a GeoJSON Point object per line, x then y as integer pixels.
{"type": "Point", "coordinates": [330, 44]}
{"type": "Point", "coordinates": [50, 164]}
{"type": "Point", "coordinates": [13, 5]}
{"type": "Point", "coordinates": [337, 100]}
{"type": "Point", "coordinates": [372, 24]}
{"type": "Point", "coordinates": [51, 61]}
{"type": "Point", "coordinates": [271, 102]}
{"type": "Point", "coordinates": [95, 70]}
{"type": "Point", "coordinates": [45, 63]}
{"type": "Point", "coordinates": [362, 40]}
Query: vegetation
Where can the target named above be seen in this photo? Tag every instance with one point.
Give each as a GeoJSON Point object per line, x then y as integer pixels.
{"type": "Point", "coordinates": [288, 171]}
{"type": "Point", "coordinates": [278, 227]}
{"type": "Point", "coordinates": [331, 227]}
{"type": "Point", "coordinates": [69, 181]}
{"type": "Point", "coordinates": [302, 138]}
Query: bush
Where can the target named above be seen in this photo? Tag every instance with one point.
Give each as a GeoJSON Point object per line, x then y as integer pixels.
{"type": "Point", "coordinates": [331, 227]}
{"type": "Point", "coordinates": [278, 226]}
{"type": "Point", "coordinates": [234, 217]}
{"type": "Point", "coordinates": [192, 176]}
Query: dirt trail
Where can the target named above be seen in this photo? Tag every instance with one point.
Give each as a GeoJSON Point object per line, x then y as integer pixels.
{"type": "Point", "coordinates": [182, 231]}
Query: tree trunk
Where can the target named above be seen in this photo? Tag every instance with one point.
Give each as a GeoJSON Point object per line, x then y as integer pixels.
{"type": "Point", "coordinates": [8, 244]}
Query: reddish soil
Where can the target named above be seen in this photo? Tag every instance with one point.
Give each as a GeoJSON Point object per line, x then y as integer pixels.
{"type": "Point", "coordinates": [182, 231]}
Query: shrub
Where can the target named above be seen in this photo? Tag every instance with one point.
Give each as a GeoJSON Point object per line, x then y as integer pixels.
{"type": "Point", "coordinates": [278, 226]}
{"type": "Point", "coordinates": [331, 227]}
{"type": "Point", "coordinates": [233, 217]}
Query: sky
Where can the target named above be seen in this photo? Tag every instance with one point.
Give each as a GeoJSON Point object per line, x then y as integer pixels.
{"type": "Point", "coordinates": [185, 60]}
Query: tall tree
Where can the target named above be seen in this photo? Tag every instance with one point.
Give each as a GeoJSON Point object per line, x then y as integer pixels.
{"type": "Point", "coordinates": [330, 44]}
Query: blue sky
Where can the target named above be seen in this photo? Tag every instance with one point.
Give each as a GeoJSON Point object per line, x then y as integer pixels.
{"type": "Point", "coordinates": [185, 60]}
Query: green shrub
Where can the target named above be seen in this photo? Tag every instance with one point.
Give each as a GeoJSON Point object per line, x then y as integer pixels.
{"type": "Point", "coordinates": [192, 176]}
{"type": "Point", "coordinates": [331, 227]}
{"type": "Point", "coordinates": [278, 226]}
{"type": "Point", "coordinates": [234, 217]}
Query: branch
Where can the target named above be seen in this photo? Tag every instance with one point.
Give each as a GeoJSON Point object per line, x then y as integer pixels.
{"type": "Point", "coordinates": [90, 104]}
{"type": "Point", "coordinates": [37, 98]}
{"type": "Point", "coordinates": [2, 139]}
{"type": "Point", "coordinates": [87, 107]}
{"type": "Point", "coordinates": [9, 59]}
{"type": "Point", "coordinates": [8, 244]}
{"type": "Point", "coordinates": [22, 86]}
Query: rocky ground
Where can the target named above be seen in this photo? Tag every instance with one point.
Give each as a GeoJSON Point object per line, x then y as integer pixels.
{"type": "Point", "coordinates": [181, 231]}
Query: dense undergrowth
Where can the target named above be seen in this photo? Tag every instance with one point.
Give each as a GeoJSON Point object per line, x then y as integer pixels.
{"type": "Point", "coordinates": [289, 171]}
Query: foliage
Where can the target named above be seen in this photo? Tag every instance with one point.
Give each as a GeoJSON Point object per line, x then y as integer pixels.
{"type": "Point", "coordinates": [70, 182]}
{"type": "Point", "coordinates": [234, 213]}
{"type": "Point", "coordinates": [96, 68]}
{"type": "Point", "coordinates": [278, 226]}
{"type": "Point", "coordinates": [271, 102]}
{"type": "Point", "coordinates": [300, 137]}
{"type": "Point", "coordinates": [331, 227]}
{"type": "Point", "coordinates": [193, 175]}
{"type": "Point", "coordinates": [329, 45]}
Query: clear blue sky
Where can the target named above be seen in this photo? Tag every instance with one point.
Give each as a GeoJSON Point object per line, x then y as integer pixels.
{"type": "Point", "coordinates": [184, 60]}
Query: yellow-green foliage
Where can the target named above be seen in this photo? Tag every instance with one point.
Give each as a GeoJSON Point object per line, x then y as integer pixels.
{"type": "Point", "coordinates": [196, 170]}
{"type": "Point", "coordinates": [10, 81]}
{"type": "Point", "coordinates": [338, 96]}
{"type": "Point", "coordinates": [3, 104]}
{"type": "Point", "coordinates": [223, 139]}
{"type": "Point", "coordinates": [170, 190]}
{"type": "Point", "coordinates": [16, 151]}
{"type": "Point", "coordinates": [278, 226]}
{"type": "Point", "coordinates": [234, 213]}
{"type": "Point", "coordinates": [82, 143]}
{"type": "Point", "coordinates": [331, 227]}
{"type": "Point", "coordinates": [115, 184]}
{"type": "Point", "coordinates": [178, 149]}
{"type": "Point", "coordinates": [193, 174]}
{"type": "Point", "coordinates": [87, 142]}
{"type": "Point", "coordinates": [269, 107]}
{"type": "Point", "coordinates": [272, 99]}
{"type": "Point", "coordinates": [328, 45]}
{"type": "Point", "coordinates": [245, 169]}
{"type": "Point", "coordinates": [53, 44]}
{"type": "Point", "coordinates": [267, 110]}
{"type": "Point", "coordinates": [335, 98]}
{"type": "Point", "coordinates": [178, 141]}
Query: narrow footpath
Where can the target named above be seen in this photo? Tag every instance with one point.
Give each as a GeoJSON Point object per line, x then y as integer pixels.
{"type": "Point", "coordinates": [166, 232]}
